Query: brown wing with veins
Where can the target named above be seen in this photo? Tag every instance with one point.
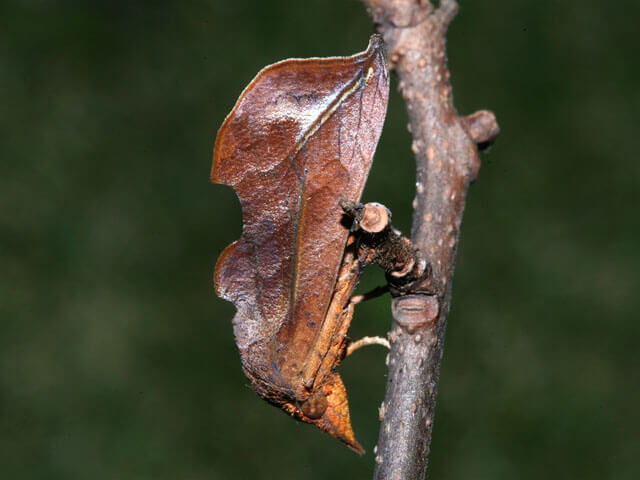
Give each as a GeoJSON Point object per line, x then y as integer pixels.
{"type": "Point", "coordinates": [301, 136]}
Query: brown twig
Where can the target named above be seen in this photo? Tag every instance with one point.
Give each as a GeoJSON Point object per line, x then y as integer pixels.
{"type": "Point", "coordinates": [446, 150]}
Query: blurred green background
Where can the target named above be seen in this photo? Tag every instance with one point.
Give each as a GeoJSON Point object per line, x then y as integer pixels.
{"type": "Point", "coordinates": [118, 361]}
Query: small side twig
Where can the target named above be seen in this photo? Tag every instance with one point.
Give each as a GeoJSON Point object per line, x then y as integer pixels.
{"type": "Point", "coordinates": [446, 148]}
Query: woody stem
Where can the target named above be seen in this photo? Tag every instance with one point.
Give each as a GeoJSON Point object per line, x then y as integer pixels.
{"type": "Point", "coordinates": [446, 151]}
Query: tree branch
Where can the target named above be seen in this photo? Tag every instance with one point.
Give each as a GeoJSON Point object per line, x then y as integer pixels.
{"type": "Point", "coordinates": [446, 150]}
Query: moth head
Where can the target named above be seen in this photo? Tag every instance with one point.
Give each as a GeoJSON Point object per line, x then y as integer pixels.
{"type": "Point", "coordinates": [327, 408]}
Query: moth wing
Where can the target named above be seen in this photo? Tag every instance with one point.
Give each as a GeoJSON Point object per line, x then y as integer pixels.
{"type": "Point", "coordinates": [301, 136]}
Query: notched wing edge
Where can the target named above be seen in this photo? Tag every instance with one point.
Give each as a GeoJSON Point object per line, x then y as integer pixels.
{"type": "Point", "coordinates": [374, 49]}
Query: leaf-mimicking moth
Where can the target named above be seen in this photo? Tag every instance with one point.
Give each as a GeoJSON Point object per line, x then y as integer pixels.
{"type": "Point", "coordinates": [301, 137]}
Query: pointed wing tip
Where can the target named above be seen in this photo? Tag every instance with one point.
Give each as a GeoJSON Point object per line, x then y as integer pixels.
{"type": "Point", "coordinates": [376, 43]}
{"type": "Point", "coordinates": [377, 54]}
{"type": "Point", "coordinates": [356, 447]}
{"type": "Point", "coordinates": [336, 420]}
{"type": "Point", "coordinates": [339, 428]}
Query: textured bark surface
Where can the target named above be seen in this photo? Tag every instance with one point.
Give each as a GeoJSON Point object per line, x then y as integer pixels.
{"type": "Point", "coordinates": [446, 151]}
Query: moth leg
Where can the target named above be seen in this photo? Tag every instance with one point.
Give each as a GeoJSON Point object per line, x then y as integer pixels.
{"type": "Point", "coordinates": [363, 342]}
{"type": "Point", "coordinates": [376, 292]}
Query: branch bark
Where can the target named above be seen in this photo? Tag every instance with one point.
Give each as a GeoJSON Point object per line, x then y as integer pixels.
{"type": "Point", "coordinates": [446, 150]}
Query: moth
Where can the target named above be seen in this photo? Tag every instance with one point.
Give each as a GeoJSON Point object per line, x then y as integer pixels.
{"type": "Point", "coordinates": [300, 138]}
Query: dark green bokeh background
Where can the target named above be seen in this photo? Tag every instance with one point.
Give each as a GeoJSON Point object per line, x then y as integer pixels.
{"type": "Point", "coordinates": [118, 361]}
